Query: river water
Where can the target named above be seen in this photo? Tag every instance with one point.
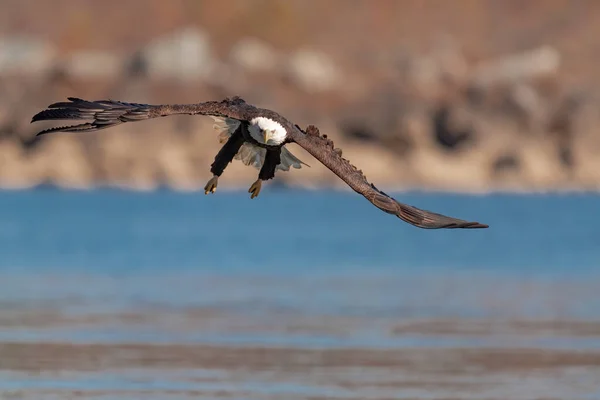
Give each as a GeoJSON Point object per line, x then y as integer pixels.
{"type": "Point", "coordinates": [296, 295]}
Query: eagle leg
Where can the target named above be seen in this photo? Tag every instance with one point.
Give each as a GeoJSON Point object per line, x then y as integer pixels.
{"type": "Point", "coordinates": [224, 157]}
{"type": "Point", "coordinates": [267, 171]}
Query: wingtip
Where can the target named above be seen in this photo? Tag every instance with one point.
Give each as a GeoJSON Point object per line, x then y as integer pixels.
{"type": "Point", "coordinates": [44, 132]}
{"type": "Point", "coordinates": [35, 118]}
{"type": "Point", "coordinates": [461, 225]}
{"type": "Point", "coordinates": [477, 225]}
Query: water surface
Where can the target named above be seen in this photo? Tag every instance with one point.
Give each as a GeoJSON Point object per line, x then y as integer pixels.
{"type": "Point", "coordinates": [297, 294]}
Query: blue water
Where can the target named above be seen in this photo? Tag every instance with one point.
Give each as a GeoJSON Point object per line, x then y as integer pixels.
{"type": "Point", "coordinates": [292, 269]}
{"type": "Point", "coordinates": [293, 232]}
{"type": "Point", "coordinates": [293, 252]}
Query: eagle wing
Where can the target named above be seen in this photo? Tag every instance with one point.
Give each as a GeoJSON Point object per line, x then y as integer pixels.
{"type": "Point", "coordinates": [323, 150]}
{"type": "Point", "coordinates": [107, 113]}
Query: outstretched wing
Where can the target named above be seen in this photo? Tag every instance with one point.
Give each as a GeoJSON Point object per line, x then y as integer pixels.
{"type": "Point", "coordinates": [322, 149]}
{"type": "Point", "coordinates": [107, 113]}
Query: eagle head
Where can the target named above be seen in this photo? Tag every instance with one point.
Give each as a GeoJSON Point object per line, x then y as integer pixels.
{"type": "Point", "coordinates": [267, 131]}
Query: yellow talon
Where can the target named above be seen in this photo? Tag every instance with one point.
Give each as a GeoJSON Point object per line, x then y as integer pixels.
{"type": "Point", "coordinates": [255, 188]}
{"type": "Point", "coordinates": [211, 185]}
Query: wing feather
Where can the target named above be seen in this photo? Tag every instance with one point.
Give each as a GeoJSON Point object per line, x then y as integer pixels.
{"type": "Point", "coordinates": [323, 150]}
{"type": "Point", "coordinates": [106, 113]}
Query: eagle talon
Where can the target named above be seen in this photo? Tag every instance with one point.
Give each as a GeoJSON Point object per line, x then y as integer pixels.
{"type": "Point", "coordinates": [255, 188]}
{"type": "Point", "coordinates": [211, 185]}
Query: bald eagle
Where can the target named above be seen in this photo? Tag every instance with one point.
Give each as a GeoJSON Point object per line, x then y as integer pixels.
{"type": "Point", "coordinates": [256, 136]}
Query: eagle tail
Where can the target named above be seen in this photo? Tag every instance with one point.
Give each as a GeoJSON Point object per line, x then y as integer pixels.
{"type": "Point", "coordinates": [289, 160]}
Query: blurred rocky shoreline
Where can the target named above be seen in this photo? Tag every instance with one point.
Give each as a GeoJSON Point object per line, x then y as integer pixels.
{"type": "Point", "coordinates": [431, 120]}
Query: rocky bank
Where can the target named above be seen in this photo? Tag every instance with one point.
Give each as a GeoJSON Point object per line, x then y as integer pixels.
{"type": "Point", "coordinates": [431, 120]}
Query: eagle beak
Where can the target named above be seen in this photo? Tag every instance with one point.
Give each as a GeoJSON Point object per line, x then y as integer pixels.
{"type": "Point", "coordinates": [265, 136]}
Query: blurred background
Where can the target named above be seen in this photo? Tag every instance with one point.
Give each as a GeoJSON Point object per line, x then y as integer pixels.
{"type": "Point", "coordinates": [120, 279]}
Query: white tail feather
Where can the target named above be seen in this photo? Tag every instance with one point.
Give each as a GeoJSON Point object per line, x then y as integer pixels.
{"type": "Point", "coordinates": [251, 155]}
{"type": "Point", "coordinates": [289, 160]}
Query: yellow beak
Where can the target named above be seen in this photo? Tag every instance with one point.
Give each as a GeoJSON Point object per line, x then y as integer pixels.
{"type": "Point", "coordinates": [265, 136]}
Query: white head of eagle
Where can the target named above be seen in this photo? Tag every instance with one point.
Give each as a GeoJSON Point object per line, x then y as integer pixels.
{"type": "Point", "coordinates": [267, 131]}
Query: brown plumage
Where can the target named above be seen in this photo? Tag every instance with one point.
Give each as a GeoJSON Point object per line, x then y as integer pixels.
{"type": "Point", "coordinates": [107, 113]}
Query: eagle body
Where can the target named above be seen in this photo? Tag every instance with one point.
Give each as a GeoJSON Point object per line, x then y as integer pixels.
{"type": "Point", "coordinates": [257, 137]}
{"type": "Point", "coordinates": [254, 150]}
